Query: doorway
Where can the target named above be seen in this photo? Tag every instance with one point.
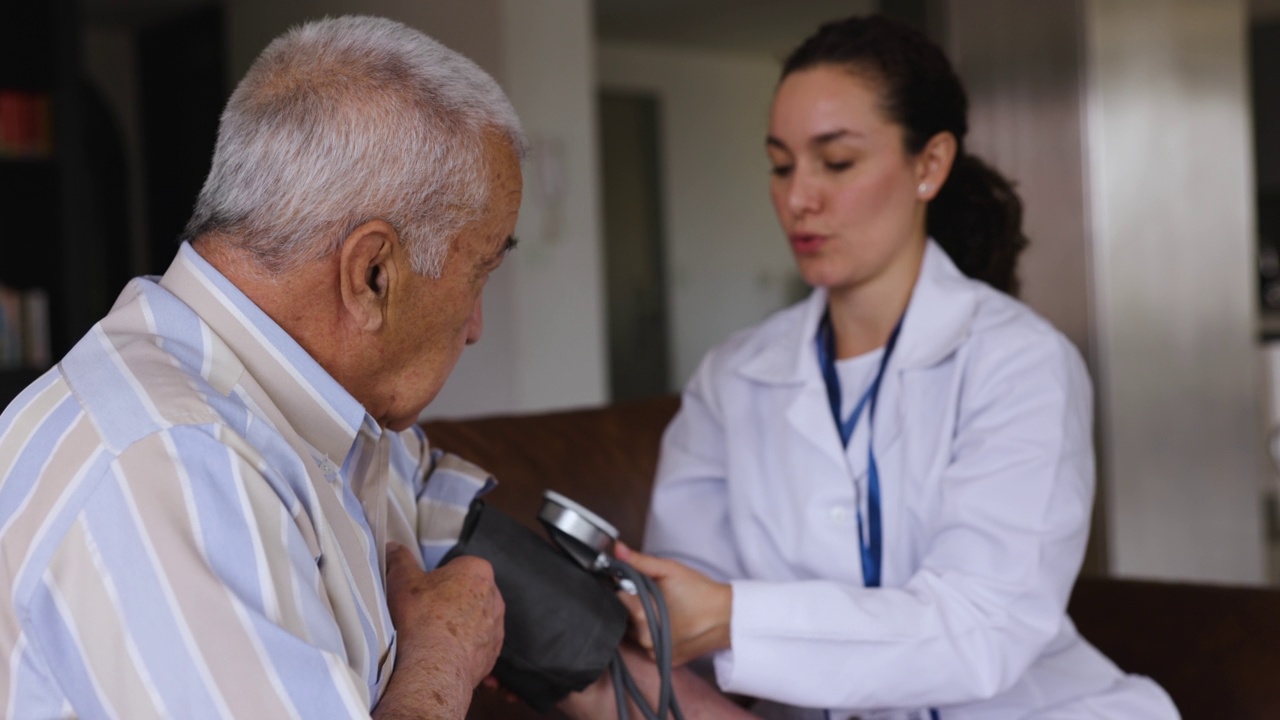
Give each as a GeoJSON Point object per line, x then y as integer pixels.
{"type": "Point", "coordinates": [635, 270]}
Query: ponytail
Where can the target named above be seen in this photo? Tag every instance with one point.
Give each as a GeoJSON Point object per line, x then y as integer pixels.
{"type": "Point", "coordinates": [977, 218]}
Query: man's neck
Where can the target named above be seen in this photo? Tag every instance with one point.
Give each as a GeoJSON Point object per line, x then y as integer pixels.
{"type": "Point", "coordinates": [304, 302]}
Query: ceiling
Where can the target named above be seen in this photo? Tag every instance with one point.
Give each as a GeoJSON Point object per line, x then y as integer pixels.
{"type": "Point", "coordinates": [757, 26]}
{"type": "Point", "coordinates": [135, 11]}
{"type": "Point", "coordinates": [1268, 10]}
{"type": "Point", "coordinates": [770, 26]}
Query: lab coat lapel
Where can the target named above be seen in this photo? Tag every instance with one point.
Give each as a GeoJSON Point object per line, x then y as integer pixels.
{"type": "Point", "coordinates": [938, 318]}
{"type": "Point", "coordinates": [788, 364]}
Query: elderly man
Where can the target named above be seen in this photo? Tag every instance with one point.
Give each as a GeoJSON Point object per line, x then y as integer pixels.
{"type": "Point", "coordinates": [195, 502]}
{"type": "Point", "coordinates": [218, 503]}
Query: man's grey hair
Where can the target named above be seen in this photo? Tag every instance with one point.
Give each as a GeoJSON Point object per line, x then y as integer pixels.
{"type": "Point", "coordinates": [346, 120]}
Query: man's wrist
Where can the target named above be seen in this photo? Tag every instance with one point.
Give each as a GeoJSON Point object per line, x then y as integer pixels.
{"type": "Point", "coordinates": [425, 691]}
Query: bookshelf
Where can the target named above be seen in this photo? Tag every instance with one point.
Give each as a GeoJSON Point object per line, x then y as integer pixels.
{"type": "Point", "coordinates": [42, 272]}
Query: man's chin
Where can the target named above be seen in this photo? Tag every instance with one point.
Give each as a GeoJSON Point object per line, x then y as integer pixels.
{"type": "Point", "coordinates": [404, 423]}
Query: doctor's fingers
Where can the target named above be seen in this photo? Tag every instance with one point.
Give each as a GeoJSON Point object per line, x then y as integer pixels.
{"type": "Point", "coordinates": [639, 630]}
{"type": "Point", "coordinates": [655, 567]}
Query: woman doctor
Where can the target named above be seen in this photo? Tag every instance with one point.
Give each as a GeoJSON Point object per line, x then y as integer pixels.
{"type": "Point", "coordinates": [875, 503]}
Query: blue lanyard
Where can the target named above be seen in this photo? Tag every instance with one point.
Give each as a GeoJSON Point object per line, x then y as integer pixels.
{"type": "Point", "coordinates": [871, 545]}
{"type": "Point", "coordinates": [871, 548]}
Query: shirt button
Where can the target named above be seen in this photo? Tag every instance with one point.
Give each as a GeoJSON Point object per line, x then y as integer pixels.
{"type": "Point", "coordinates": [839, 514]}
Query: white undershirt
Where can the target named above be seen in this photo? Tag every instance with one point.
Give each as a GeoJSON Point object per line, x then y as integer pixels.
{"type": "Point", "coordinates": [856, 375]}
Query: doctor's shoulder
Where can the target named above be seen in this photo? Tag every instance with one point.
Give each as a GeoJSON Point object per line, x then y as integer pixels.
{"type": "Point", "coordinates": [776, 335]}
{"type": "Point", "coordinates": [1008, 332]}
{"type": "Point", "coordinates": [768, 349]}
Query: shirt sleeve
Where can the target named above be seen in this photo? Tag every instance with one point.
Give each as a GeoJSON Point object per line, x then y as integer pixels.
{"type": "Point", "coordinates": [186, 588]}
{"type": "Point", "coordinates": [443, 486]}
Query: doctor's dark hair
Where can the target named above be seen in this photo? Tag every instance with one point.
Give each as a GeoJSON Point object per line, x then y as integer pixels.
{"type": "Point", "coordinates": [976, 215]}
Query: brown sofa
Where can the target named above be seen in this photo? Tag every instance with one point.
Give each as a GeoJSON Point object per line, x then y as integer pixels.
{"type": "Point", "coordinates": [1215, 649]}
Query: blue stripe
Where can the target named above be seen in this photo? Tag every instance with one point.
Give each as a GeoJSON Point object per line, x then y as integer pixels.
{"type": "Point", "coordinates": [452, 488]}
{"type": "Point", "coordinates": [10, 413]}
{"type": "Point", "coordinates": [178, 327]}
{"type": "Point", "coordinates": [39, 556]}
{"type": "Point", "coordinates": [403, 465]}
{"type": "Point", "coordinates": [22, 477]}
{"type": "Point", "coordinates": [56, 641]}
{"type": "Point", "coordinates": [316, 613]}
{"type": "Point", "coordinates": [150, 620]}
{"type": "Point", "coordinates": [302, 670]}
{"type": "Point", "coordinates": [225, 534]}
{"type": "Point", "coordinates": [92, 373]}
{"type": "Point", "coordinates": [34, 691]}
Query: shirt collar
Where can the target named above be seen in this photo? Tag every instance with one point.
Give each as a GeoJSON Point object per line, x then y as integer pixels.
{"type": "Point", "coordinates": [317, 407]}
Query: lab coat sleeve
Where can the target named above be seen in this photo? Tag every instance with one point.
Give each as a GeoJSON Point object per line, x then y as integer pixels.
{"type": "Point", "coordinates": [689, 510]}
{"type": "Point", "coordinates": [1004, 542]}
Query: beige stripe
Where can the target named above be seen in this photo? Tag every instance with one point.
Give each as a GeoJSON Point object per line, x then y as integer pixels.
{"type": "Point", "coordinates": [15, 543]}
{"type": "Point", "coordinates": [28, 421]}
{"type": "Point", "coordinates": [203, 602]}
{"type": "Point", "coordinates": [343, 544]}
{"type": "Point", "coordinates": [157, 376]}
{"type": "Point", "coordinates": [264, 512]}
{"type": "Point", "coordinates": [60, 603]}
{"type": "Point", "coordinates": [225, 368]}
{"type": "Point", "coordinates": [353, 690]}
{"type": "Point", "coordinates": [72, 456]}
{"type": "Point", "coordinates": [95, 617]}
{"type": "Point", "coordinates": [439, 522]}
{"type": "Point", "coordinates": [402, 515]}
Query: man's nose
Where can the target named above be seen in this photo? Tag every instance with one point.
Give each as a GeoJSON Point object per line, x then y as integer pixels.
{"type": "Point", "coordinates": [475, 323]}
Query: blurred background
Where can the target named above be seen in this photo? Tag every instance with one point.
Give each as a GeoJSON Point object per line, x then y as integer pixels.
{"type": "Point", "coordinates": [1144, 136]}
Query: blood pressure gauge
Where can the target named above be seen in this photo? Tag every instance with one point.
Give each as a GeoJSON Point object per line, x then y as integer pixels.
{"type": "Point", "coordinates": [587, 537]}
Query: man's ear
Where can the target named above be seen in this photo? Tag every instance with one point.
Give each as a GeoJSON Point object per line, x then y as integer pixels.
{"type": "Point", "coordinates": [367, 272]}
{"type": "Point", "coordinates": [933, 164]}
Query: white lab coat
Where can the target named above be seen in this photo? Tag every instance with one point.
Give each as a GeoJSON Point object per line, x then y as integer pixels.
{"type": "Point", "coordinates": [982, 437]}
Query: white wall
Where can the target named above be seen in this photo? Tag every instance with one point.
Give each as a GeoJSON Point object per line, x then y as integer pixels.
{"type": "Point", "coordinates": [544, 343]}
{"type": "Point", "coordinates": [1170, 169]}
{"type": "Point", "coordinates": [727, 262]}
{"type": "Point", "coordinates": [558, 271]}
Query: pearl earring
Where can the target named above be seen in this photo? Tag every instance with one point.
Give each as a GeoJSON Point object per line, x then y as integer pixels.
{"type": "Point", "coordinates": [924, 188]}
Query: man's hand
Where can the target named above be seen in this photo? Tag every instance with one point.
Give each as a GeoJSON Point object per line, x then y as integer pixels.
{"type": "Point", "coordinates": [449, 633]}
{"type": "Point", "coordinates": [699, 607]}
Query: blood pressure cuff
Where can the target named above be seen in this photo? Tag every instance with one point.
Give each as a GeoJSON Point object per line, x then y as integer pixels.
{"type": "Point", "coordinates": [562, 624]}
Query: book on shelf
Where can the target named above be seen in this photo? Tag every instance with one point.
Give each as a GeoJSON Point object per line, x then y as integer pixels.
{"type": "Point", "coordinates": [26, 124]}
{"type": "Point", "coordinates": [24, 329]}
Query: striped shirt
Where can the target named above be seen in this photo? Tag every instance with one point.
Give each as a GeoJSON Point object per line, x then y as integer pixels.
{"type": "Point", "coordinates": [193, 515]}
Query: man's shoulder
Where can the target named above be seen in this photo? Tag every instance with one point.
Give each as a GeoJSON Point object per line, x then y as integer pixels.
{"type": "Point", "coordinates": [142, 369]}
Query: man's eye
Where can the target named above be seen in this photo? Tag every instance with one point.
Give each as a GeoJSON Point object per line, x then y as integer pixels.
{"type": "Point", "coordinates": [839, 166]}
{"type": "Point", "coordinates": [780, 170]}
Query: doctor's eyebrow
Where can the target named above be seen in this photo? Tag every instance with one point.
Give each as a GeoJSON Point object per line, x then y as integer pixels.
{"type": "Point", "coordinates": [817, 140]}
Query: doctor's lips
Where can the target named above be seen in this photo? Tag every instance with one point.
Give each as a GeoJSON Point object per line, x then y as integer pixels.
{"type": "Point", "coordinates": [806, 243]}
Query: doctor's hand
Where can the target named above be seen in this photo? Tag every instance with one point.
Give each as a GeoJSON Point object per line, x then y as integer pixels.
{"type": "Point", "coordinates": [699, 606]}
{"type": "Point", "coordinates": [448, 634]}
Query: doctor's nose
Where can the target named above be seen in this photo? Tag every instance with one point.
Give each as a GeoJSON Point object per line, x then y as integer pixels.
{"type": "Point", "coordinates": [803, 194]}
